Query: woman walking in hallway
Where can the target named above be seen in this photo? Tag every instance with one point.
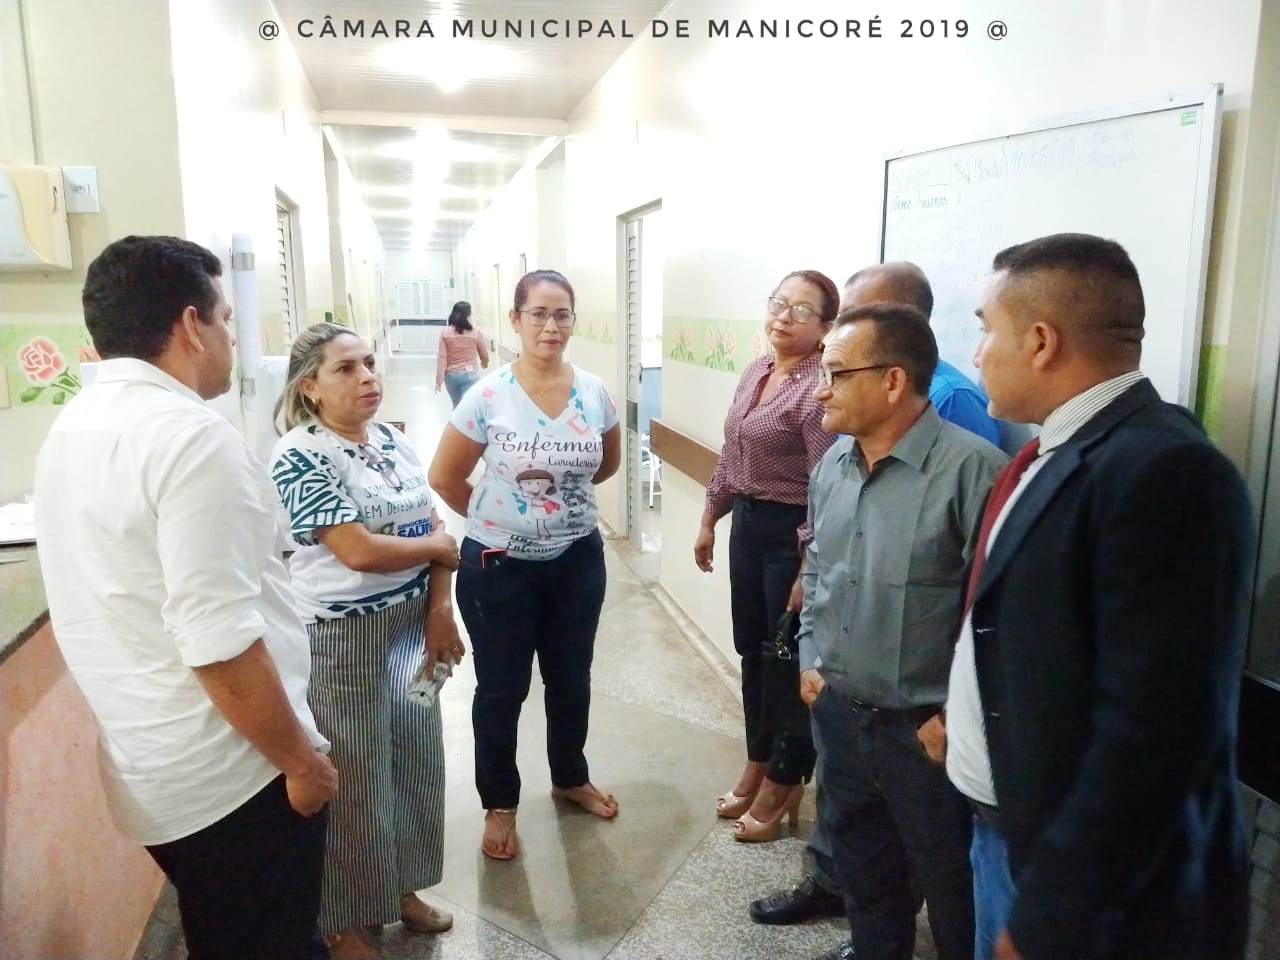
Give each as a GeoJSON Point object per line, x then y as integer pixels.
{"type": "Point", "coordinates": [461, 354]}
{"type": "Point", "coordinates": [372, 577]}
{"type": "Point", "coordinates": [531, 579]}
{"type": "Point", "coordinates": [772, 439]}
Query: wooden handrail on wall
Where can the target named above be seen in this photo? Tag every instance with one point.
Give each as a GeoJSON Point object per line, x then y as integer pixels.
{"type": "Point", "coordinates": [691, 457]}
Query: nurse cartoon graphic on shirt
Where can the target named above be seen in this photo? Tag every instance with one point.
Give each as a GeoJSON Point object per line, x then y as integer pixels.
{"type": "Point", "coordinates": [536, 485]}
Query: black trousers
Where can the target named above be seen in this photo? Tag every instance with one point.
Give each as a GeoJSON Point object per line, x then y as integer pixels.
{"type": "Point", "coordinates": [764, 561]}
{"type": "Point", "coordinates": [249, 884]}
{"type": "Point", "coordinates": [899, 828]}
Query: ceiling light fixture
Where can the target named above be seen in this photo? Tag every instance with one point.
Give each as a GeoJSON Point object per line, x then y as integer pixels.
{"type": "Point", "coordinates": [450, 62]}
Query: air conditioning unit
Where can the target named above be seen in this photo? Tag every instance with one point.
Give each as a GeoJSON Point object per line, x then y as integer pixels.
{"type": "Point", "coordinates": [33, 219]}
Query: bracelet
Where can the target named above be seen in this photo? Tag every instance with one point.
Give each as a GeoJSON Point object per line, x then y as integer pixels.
{"type": "Point", "coordinates": [440, 609]}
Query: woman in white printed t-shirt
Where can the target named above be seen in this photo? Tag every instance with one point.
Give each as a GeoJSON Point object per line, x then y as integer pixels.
{"type": "Point", "coordinates": [371, 579]}
{"type": "Point", "coordinates": [531, 576]}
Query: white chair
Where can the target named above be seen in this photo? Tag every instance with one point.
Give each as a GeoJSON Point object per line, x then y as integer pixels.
{"type": "Point", "coordinates": [654, 465]}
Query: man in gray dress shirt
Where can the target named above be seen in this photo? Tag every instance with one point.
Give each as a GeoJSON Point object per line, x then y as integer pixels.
{"type": "Point", "coordinates": [894, 508]}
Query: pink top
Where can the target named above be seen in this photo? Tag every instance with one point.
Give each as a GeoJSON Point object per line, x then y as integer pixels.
{"type": "Point", "coordinates": [460, 351]}
{"type": "Point", "coordinates": [770, 447]}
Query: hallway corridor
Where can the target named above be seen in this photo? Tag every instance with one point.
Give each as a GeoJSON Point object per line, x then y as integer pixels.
{"type": "Point", "coordinates": [665, 880]}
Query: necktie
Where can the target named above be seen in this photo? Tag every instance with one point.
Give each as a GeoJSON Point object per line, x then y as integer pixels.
{"type": "Point", "coordinates": [1006, 482]}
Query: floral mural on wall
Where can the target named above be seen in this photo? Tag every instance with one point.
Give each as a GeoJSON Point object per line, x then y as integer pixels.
{"type": "Point", "coordinates": [720, 347]}
{"type": "Point", "coordinates": [682, 345]}
{"type": "Point", "coordinates": [43, 364]}
{"type": "Point", "coordinates": [713, 344]}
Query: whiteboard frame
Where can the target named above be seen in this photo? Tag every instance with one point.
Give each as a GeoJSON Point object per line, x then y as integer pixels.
{"type": "Point", "coordinates": [1209, 99]}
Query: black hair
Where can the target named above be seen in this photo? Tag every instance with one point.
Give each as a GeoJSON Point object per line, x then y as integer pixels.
{"type": "Point", "coordinates": [903, 339]}
{"type": "Point", "coordinates": [1096, 291]}
{"type": "Point", "coordinates": [460, 316]}
{"type": "Point", "coordinates": [138, 287]}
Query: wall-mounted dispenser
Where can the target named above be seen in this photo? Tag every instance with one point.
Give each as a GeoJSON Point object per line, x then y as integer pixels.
{"type": "Point", "coordinates": [33, 219]}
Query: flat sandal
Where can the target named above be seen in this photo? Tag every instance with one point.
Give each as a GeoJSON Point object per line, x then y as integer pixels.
{"type": "Point", "coordinates": [507, 839]}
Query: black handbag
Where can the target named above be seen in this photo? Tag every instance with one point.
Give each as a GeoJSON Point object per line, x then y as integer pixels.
{"type": "Point", "coordinates": [781, 707]}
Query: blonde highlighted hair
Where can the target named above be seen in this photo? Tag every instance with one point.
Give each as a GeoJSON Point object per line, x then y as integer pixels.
{"type": "Point", "coordinates": [305, 358]}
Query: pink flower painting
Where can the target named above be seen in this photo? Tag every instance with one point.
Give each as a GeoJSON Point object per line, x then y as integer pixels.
{"type": "Point", "coordinates": [47, 371]}
{"type": "Point", "coordinates": [41, 360]}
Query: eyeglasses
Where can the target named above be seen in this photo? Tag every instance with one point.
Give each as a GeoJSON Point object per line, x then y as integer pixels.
{"type": "Point", "coordinates": [385, 466]}
{"type": "Point", "coordinates": [829, 377]}
{"type": "Point", "coordinates": [564, 318]}
{"type": "Point", "coordinates": [800, 312]}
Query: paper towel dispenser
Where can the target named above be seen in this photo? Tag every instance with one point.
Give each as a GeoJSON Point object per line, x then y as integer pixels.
{"type": "Point", "coordinates": [33, 219]}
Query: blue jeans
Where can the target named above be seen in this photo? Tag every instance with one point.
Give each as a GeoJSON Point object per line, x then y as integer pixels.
{"type": "Point", "coordinates": [458, 382]}
{"type": "Point", "coordinates": [992, 887]}
{"type": "Point", "coordinates": [513, 611]}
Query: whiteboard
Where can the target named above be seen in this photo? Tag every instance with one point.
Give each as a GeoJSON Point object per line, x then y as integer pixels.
{"type": "Point", "coordinates": [1142, 176]}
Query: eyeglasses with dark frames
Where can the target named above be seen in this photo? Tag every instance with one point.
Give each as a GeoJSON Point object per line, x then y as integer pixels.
{"type": "Point", "coordinates": [385, 466]}
{"type": "Point", "coordinates": [829, 377]}
{"type": "Point", "coordinates": [800, 312]}
{"type": "Point", "coordinates": [564, 318]}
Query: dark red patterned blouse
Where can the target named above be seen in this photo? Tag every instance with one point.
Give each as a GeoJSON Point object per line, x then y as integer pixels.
{"type": "Point", "coordinates": [771, 447]}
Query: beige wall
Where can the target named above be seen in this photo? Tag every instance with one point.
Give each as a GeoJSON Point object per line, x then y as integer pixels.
{"type": "Point", "coordinates": [358, 261]}
{"type": "Point", "coordinates": [101, 94]}
{"type": "Point", "coordinates": [509, 229]}
{"type": "Point", "coordinates": [768, 156]}
{"type": "Point", "coordinates": [249, 135]}
{"type": "Point", "coordinates": [196, 127]}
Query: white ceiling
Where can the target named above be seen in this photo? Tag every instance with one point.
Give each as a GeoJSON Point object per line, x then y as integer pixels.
{"type": "Point", "coordinates": [497, 100]}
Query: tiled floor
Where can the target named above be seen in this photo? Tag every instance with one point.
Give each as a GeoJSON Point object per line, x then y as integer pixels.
{"type": "Point", "coordinates": [665, 879]}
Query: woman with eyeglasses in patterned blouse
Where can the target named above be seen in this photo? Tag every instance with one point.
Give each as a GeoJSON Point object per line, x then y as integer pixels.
{"type": "Point", "coordinates": [773, 437]}
{"type": "Point", "coordinates": [372, 578]}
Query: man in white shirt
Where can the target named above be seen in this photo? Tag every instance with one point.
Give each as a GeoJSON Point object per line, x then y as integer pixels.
{"type": "Point", "coordinates": [171, 608]}
{"type": "Point", "coordinates": [1091, 710]}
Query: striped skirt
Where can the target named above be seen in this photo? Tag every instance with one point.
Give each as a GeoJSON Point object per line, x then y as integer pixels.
{"type": "Point", "coordinates": [386, 824]}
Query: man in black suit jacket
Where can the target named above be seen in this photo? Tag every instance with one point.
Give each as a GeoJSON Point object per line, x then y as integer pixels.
{"type": "Point", "coordinates": [1103, 649]}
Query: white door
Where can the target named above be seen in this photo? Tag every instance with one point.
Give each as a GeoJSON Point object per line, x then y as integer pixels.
{"type": "Point", "coordinates": [632, 232]}
{"type": "Point", "coordinates": [640, 266]}
{"type": "Point", "coordinates": [284, 253]}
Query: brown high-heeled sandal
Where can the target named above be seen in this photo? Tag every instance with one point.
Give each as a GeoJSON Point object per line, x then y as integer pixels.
{"type": "Point", "coordinates": [747, 829]}
{"type": "Point", "coordinates": [589, 798]}
{"type": "Point", "coordinates": [507, 844]}
{"type": "Point", "coordinates": [731, 805]}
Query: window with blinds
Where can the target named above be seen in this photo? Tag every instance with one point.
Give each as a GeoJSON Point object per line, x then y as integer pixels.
{"type": "Point", "coordinates": [284, 250]}
{"type": "Point", "coordinates": [422, 300]}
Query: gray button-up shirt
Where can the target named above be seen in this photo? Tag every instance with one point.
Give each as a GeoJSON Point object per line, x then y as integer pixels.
{"type": "Point", "coordinates": [885, 573]}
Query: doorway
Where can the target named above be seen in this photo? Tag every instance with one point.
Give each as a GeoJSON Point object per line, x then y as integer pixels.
{"type": "Point", "coordinates": [642, 254]}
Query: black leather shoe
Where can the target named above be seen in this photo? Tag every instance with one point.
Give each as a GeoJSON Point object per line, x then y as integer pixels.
{"type": "Point", "coordinates": [804, 901]}
{"type": "Point", "coordinates": [842, 952]}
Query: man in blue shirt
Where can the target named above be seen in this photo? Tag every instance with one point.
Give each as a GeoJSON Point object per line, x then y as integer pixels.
{"type": "Point", "coordinates": [963, 402]}
{"type": "Point", "coordinates": [956, 397]}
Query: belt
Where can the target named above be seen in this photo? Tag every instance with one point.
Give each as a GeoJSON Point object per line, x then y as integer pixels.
{"type": "Point", "coordinates": [988, 814]}
{"type": "Point", "coordinates": [870, 715]}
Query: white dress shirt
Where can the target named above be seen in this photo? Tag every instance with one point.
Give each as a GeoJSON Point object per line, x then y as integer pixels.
{"type": "Point", "coordinates": [156, 538]}
{"type": "Point", "coordinates": [968, 758]}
